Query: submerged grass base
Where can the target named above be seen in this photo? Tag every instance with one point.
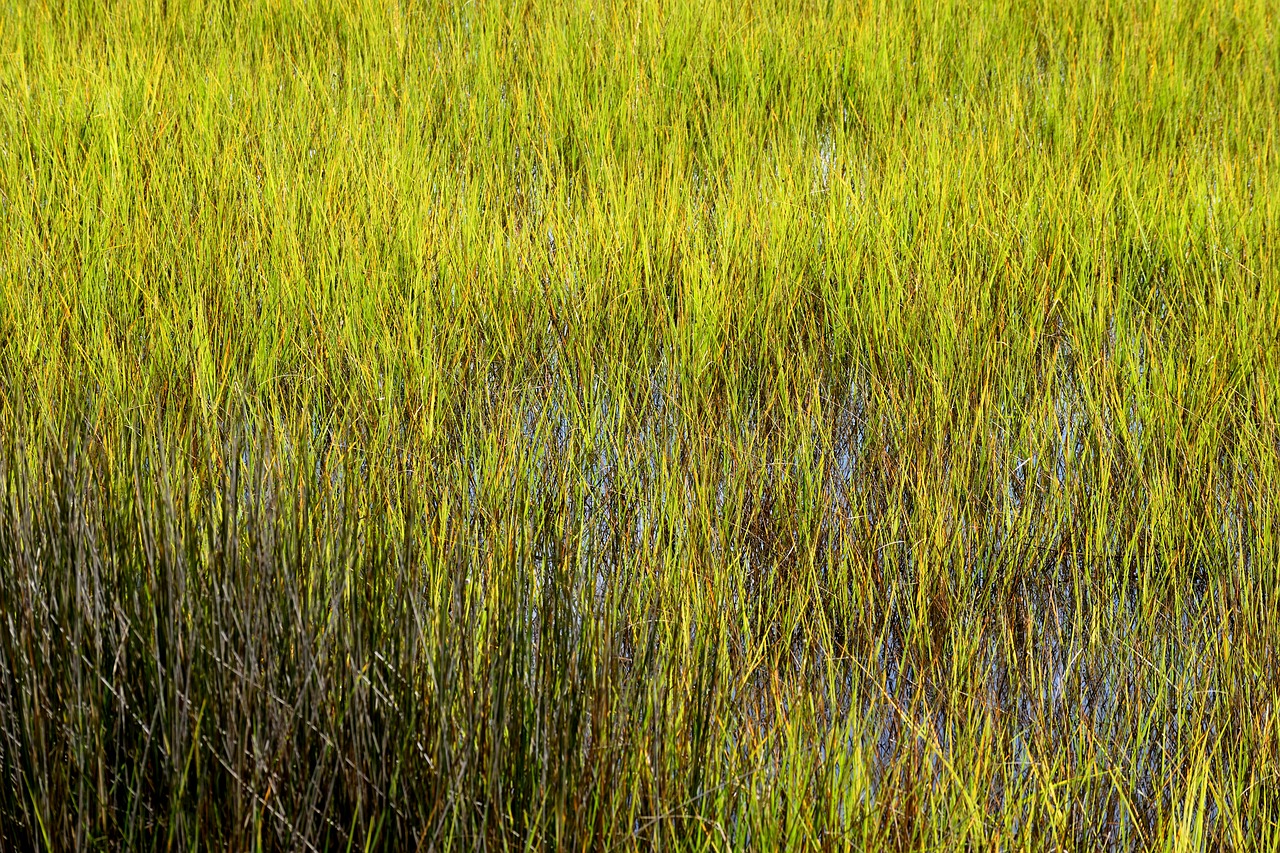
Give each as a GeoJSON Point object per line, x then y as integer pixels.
{"type": "Point", "coordinates": [680, 426]}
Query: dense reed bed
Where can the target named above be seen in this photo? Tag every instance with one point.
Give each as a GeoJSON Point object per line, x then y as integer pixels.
{"type": "Point", "coordinates": [639, 425]}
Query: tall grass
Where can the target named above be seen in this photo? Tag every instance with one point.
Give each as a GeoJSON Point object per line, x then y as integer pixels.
{"type": "Point", "coordinates": [639, 425]}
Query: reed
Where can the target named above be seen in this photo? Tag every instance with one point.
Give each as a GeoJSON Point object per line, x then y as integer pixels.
{"type": "Point", "coordinates": [639, 425]}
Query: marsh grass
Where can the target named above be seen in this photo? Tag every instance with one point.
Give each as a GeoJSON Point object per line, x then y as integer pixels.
{"type": "Point", "coordinates": [641, 425]}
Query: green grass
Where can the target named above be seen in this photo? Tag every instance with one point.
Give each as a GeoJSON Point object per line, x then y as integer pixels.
{"type": "Point", "coordinates": [639, 425]}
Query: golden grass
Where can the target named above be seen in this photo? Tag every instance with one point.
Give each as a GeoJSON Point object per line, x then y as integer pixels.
{"type": "Point", "coordinates": [673, 425]}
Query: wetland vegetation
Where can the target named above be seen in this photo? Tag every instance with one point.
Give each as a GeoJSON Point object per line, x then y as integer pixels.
{"type": "Point", "coordinates": [639, 425]}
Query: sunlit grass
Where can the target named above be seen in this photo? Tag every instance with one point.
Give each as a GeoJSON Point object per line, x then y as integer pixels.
{"type": "Point", "coordinates": [719, 425]}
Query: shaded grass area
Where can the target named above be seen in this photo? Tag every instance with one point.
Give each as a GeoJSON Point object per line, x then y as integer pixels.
{"type": "Point", "coordinates": [652, 425]}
